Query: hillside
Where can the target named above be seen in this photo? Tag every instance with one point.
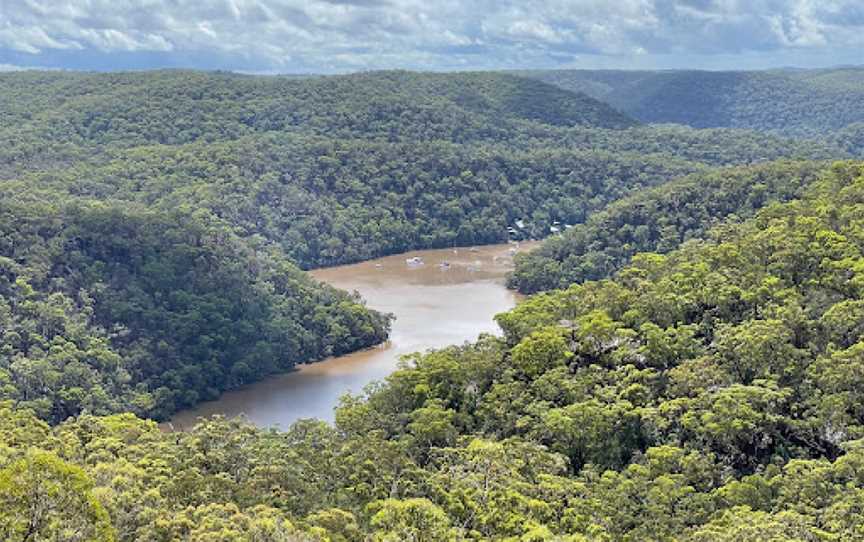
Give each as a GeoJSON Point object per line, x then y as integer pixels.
{"type": "Point", "coordinates": [130, 108]}
{"type": "Point", "coordinates": [65, 117]}
{"type": "Point", "coordinates": [796, 103]}
{"type": "Point", "coordinates": [710, 394]}
{"type": "Point", "coordinates": [345, 168]}
{"type": "Point", "coordinates": [109, 307]}
{"type": "Point", "coordinates": [658, 220]}
{"type": "Point", "coordinates": [327, 201]}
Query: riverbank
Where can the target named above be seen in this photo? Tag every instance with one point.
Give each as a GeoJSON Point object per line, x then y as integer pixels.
{"type": "Point", "coordinates": [447, 296]}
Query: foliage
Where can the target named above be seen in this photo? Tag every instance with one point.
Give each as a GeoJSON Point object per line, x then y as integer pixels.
{"type": "Point", "coordinates": [108, 308]}
{"type": "Point", "coordinates": [54, 117]}
{"type": "Point", "coordinates": [151, 229]}
{"type": "Point", "coordinates": [712, 393]}
{"type": "Point", "coordinates": [657, 220]}
{"type": "Point", "coordinates": [341, 169]}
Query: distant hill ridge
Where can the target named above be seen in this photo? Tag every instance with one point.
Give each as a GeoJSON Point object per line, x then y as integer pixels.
{"type": "Point", "coordinates": [173, 107]}
{"type": "Point", "coordinates": [337, 169]}
{"type": "Point", "coordinates": [800, 103]}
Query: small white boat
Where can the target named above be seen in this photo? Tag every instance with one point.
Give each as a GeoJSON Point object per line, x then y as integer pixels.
{"type": "Point", "coordinates": [416, 260]}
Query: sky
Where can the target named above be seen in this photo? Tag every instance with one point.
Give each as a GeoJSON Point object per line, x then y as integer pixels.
{"type": "Point", "coordinates": [335, 36]}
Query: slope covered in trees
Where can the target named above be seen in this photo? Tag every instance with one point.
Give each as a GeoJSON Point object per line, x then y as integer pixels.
{"type": "Point", "coordinates": [131, 108]}
{"type": "Point", "coordinates": [709, 394]}
{"type": "Point", "coordinates": [115, 307]}
{"type": "Point", "coordinates": [657, 220]}
{"type": "Point", "coordinates": [50, 118]}
{"type": "Point", "coordinates": [339, 169]}
{"type": "Point", "coordinates": [799, 103]}
{"type": "Point", "coordinates": [327, 202]}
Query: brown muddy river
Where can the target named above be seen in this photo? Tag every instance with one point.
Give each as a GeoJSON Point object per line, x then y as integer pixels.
{"type": "Point", "coordinates": [449, 298]}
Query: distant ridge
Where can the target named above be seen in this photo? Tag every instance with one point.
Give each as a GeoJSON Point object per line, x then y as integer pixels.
{"type": "Point", "coordinates": [799, 102]}
{"type": "Point", "coordinates": [145, 107]}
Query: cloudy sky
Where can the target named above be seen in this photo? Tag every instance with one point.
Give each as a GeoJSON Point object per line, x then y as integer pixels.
{"type": "Point", "coordinates": [301, 36]}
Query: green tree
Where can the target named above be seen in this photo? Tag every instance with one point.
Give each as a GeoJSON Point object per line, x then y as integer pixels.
{"type": "Point", "coordinates": [411, 520]}
{"type": "Point", "coordinates": [44, 498]}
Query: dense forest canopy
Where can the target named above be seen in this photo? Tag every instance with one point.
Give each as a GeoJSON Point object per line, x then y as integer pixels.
{"type": "Point", "coordinates": [658, 220]}
{"type": "Point", "coordinates": [692, 374]}
{"type": "Point", "coordinates": [341, 169]}
{"type": "Point", "coordinates": [327, 201]}
{"type": "Point", "coordinates": [115, 307]}
{"type": "Point", "coordinates": [61, 117]}
{"type": "Point", "coordinates": [799, 103]}
{"type": "Point", "coordinates": [712, 393]}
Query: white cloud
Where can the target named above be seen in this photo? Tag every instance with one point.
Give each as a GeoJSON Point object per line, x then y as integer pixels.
{"type": "Point", "coordinates": [33, 39]}
{"type": "Point", "coordinates": [352, 34]}
{"type": "Point", "coordinates": [17, 68]}
{"type": "Point", "coordinates": [535, 30]}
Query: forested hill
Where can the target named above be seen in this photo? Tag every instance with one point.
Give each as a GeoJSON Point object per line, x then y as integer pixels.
{"type": "Point", "coordinates": [115, 307]}
{"type": "Point", "coordinates": [48, 117]}
{"type": "Point", "coordinates": [712, 394]}
{"type": "Point", "coordinates": [184, 106]}
{"type": "Point", "coordinates": [658, 220]}
{"type": "Point", "coordinates": [799, 103]}
{"type": "Point", "coordinates": [327, 201]}
{"type": "Point", "coordinates": [345, 168]}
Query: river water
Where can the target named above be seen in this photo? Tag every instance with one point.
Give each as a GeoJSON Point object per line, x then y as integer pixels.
{"type": "Point", "coordinates": [449, 298]}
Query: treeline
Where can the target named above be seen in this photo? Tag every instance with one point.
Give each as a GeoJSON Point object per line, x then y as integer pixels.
{"type": "Point", "coordinates": [341, 169]}
{"type": "Point", "coordinates": [796, 103]}
{"type": "Point", "coordinates": [109, 307]}
{"type": "Point", "coordinates": [327, 201]}
{"type": "Point", "coordinates": [657, 220]}
{"type": "Point", "coordinates": [709, 394]}
{"type": "Point", "coordinates": [61, 118]}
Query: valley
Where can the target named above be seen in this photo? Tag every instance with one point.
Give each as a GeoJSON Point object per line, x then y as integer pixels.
{"type": "Point", "coordinates": [449, 297]}
{"type": "Point", "coordinates": [533, 305]}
